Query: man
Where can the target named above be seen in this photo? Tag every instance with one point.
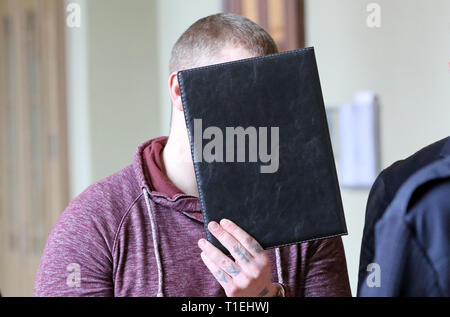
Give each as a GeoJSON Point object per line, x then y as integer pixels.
{"type": "Point", "coordinates": [140, 231]}
{"type": "Point", "coordinates": [381, 211]}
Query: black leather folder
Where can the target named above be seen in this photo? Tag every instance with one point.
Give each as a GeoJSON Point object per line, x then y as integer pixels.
{"type": "Point", "coordinates": [232, 113]}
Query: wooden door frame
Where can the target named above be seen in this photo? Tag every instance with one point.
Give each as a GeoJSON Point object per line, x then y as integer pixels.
{"type": "Point", "coordinates": [294, 11]}
{"type": "Point", "coordinates": [18, 263]}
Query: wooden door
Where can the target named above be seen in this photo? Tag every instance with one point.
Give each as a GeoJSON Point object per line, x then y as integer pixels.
{"type": "Point", "coordinates": [33, 158]}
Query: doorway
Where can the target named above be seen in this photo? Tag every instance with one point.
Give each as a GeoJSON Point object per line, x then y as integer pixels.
{"type": "Point", "coordinates": [33, 136]}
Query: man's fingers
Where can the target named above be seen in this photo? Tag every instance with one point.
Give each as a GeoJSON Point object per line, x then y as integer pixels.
{"type": "Point", "coordinates": [222, 277]}
{"type": "Point", "coordinates": [243, 237]}
{"type": "Point", "coordinates": [239, 253]}
{"type": "Point", "coordinates": [226, 271]}
{"type": "Point", "coordinates": [220, 259]}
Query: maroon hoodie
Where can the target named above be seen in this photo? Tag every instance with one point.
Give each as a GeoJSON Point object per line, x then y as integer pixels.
{"type": "Point", "coordinates": [104, 243]}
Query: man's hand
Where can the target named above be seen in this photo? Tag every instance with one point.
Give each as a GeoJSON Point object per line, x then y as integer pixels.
{"type": "Point", "coordinates": [249, 274]}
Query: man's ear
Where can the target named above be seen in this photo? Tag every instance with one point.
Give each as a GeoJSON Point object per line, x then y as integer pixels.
{"type": "Point", "coordinates": [174, 90]}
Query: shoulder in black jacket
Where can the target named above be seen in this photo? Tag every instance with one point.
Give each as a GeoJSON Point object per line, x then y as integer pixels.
{"type": "Point", "coordinates": [385, 189]}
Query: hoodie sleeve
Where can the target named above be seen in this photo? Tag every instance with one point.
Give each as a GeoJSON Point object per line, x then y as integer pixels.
{"type": "Point", "coordinates": [77, 260]}
{"type": "Point", "coordinates": [326, 269]}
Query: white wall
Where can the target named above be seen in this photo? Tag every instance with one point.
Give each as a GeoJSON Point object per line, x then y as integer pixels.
{"type": "Point", "coordinates": [117, 79]}
{"type": "Point", "coordinates": [123, 87]}
{"type": "Point", "coordinates": [406, 62]}
{"type": "Point", "coordinates": [79, 133]}
{"type": "Point", "coordinates": [174, 17]}
{"type": "Point", "coordinates": [113, 99]}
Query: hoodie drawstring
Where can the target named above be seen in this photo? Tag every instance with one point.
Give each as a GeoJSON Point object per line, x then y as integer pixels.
{"type": "Point", "coordinates": [155, 244]}
{"type": "Point", "coordinates": [158, 257]}
{"type": "Point", "coordinates": [279, 268]}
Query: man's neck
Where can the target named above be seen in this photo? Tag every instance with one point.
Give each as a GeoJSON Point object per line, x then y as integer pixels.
{"type": "Point", "coordinates": [178, 165]}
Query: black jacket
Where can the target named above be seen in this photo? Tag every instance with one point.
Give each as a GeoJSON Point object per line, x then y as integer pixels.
{"type": "Point", "coordinates": [385, 189]}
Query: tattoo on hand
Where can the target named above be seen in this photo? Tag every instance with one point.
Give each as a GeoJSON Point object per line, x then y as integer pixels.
{"type": "Point", "coordinates": [242, 253]}
{"type": "Point", "coordinates": [256, 247]}
{"type": "Point", "coordinates": [221, 277]}
{"type": "Point", "coordinates": [232, 270]}
{"type": "Point", "coordinates": [264, 292]}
